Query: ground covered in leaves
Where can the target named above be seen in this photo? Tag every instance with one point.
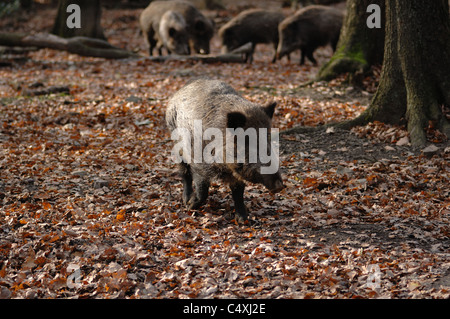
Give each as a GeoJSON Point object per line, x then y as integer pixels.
{"type": "Point", "coordinates": [90, 201]}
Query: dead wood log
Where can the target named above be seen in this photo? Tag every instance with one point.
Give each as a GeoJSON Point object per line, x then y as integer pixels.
{"type": "Point", "coordinates": [79, 45]}
{"type": "Point", "coordinates": [85, 46]}
{"type": "Point", "coordinates": [236, 56]}
{"type": "Point", "coordinates": [224, 58]}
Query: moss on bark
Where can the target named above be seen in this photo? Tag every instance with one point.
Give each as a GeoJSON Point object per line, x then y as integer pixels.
{"type": "Point", "coordinates": [413, 85]}
{"type": "Point", "coordinates": [344, 60]}
{"type": "Point", "coordinates": [359, 47]}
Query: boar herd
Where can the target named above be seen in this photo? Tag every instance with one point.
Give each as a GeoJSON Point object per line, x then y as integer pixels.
{"type": "Point", "coordinates": [207, 109]}
{"type": "Point", "coordinates": [182, 29]}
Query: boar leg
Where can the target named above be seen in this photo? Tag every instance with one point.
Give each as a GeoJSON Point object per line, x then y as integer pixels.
{"type": "Point", "coordinates": [150, 41]}
{"type": "Point", "coordinates": [249, 57]}
{"type": "Point", "coordinates": [274, 59]}
{"type": "Point", "coordinates": [302, 57]}
{"type": "Point", "coordinates": [201, 193]}
{"type": "Point", "coordinates": [186, 175]}
{"type": "Point", "coordinates": [159, 47]}
{"type": "Point", "coordinates": [309, 54]}
{"type": "Point", "coordinates": [237, 192]}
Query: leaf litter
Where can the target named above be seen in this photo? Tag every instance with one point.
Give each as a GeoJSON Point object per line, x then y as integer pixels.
{"type": "Point", "coordinates": [90, 200]}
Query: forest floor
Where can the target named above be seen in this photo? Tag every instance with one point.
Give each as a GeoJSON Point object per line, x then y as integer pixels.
{"type": "Point", "coordinates": [90, 202]}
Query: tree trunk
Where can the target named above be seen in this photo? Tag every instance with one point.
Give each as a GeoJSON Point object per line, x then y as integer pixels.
{"type": "Point", "coordinates": [388, 104]}
{"type": "Point", "coordinates": [359, 47]}
{"type": "Point", "coordinates": [90, 20]}
{"type": "Point", "coordinates": [424, 50]}
{"type": "Point", "coordinates": [415, 82]}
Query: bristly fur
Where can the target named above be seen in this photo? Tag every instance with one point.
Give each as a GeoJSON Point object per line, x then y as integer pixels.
{"type": "Point", "coordinates": [252, 25]}
{"type": "Point", "coordinates": [219, 106]}
{"type": "Point", "coordinates": [199, 28]}
{"type": "Point", "coordinates": [211, 101]}
{"type": "Point", "coordinates": [308, 29]}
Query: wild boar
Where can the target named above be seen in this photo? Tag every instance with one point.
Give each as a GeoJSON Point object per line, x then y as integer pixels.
{"type": "Point", "coordinates": [204, 109]}
{"type": "Point", "coordinates": [253, 25]}
{"type": "Point", "coordinates": [308, 29]}
{"type": "Point", "coordinates": [199, 28]}
{"type": "Point", "coordinates": [172, 34]}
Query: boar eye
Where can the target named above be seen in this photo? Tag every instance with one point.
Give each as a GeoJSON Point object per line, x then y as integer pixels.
{"type": "Point", "coordinates": [172, 32]}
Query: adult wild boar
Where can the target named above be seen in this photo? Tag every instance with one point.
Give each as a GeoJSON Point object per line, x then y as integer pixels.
{"type": "Point", "coordinates": [308, 29]}
{"type": "Point", "coordinates": [172, 34]}
{"type": "Point", "coordinates": [253, 25]}
{"type": "Point", "coordinates": [199, 28]}
{"type": "Point", "coordinates": [204, 109]}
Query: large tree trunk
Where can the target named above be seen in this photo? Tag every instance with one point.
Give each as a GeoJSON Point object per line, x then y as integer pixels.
{"type": "Point", "coordinates": [415, 81]}
{"type": "Point", "coordinates": [424, 50]}
{"type": "Point", "coordinates": [388, 104]}
{"type": "Point", "coordinates": [90, 20]}
{"type": "Point", "coordinates": [359, 47]}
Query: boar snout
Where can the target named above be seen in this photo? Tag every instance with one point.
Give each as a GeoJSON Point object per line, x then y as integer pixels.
{"type": "Point", "coordinates": [273, 183]}
{"type": "Point", "coordinates": [278, 187]}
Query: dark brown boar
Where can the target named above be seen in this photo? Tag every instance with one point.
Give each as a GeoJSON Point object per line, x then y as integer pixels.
{"type": "Point", "coordinates": [199, 28]}
{"type": "Point", "coordinates": [308, 29]}
{"type": "Point", "coordinates": [216, 105]}
{"type": "Point", "coordinates": [253, 25]}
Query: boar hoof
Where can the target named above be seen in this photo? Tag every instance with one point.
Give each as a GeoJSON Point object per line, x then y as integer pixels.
{"type": "Point", "coordinates": [241, 217]}
{"type": "Point", "coordinates": [186, 197]}
{"type": "Point", "coordinates": [194, 203]}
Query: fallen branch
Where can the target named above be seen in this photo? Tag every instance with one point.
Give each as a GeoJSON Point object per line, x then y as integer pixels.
{"type": "Point", "coordinates": [236, 56]}
{"type": "Point", "coordinates": [225, 58]}
{"type": "Point", "coordinates": [79, 45]}
{"type": "Point", "coordinates": [91, 47]}
{"type": "Point", "coordinates": [45, 91]}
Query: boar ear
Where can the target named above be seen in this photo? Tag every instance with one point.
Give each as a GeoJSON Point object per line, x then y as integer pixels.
{"type": "Point", "coordinates": [270, 108]}
{"type": "Point", "coordinates": [236, 119]}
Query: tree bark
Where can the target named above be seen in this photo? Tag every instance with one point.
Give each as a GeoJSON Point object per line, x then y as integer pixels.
{"type": "Point", "coordinates": [415, 83]}
{"type": "Point", "coordinates": [90, 20]}
{"type": "Point", "coordinates": [424, 46]}
{"type": "Point", "coordinates": [359, 47]}
{"type": "Point", "coordinates": [388, 105]}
